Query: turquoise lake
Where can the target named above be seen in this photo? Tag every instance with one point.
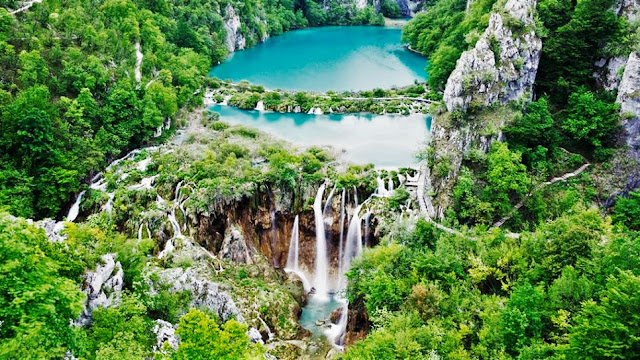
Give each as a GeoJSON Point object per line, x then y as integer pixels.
{"type": "Point", "coordinates": [338, 58]}
{"type": "Point", "coordinates": [387, 141]}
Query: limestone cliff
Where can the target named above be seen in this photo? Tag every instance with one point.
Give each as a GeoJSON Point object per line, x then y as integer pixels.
{"type": "Point", "coordinates": [629, 100]}
{"type": "Point", "coordinates": [611, 70]}
{"type": "Point", "coordinates": [503, 64]}
{"type": "Point", "coordinates": [500, 68]}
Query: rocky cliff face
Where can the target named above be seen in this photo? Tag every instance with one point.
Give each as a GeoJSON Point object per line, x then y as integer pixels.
{"type": "Point", "coordinates": [629, 100]}
{"type": "Point", "coordinates": [410, 7]}
{"type": "Point", "coordinates": [503, 64]}
{"type": "Point", "coordinates": [234, 39]}
{"type": "Point", "coordinates": [450, 144]}
{"type": "Point", "coordinates": [102, 286]}
{"type": "Point", "coordinates": [611, 70]}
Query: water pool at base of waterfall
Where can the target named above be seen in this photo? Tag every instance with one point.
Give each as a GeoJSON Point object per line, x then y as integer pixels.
{"type": "Point", "coordinates": [337, 58]}
{"type": "Point", "coordinates": [387, 141]}
{"type": "Point", "coordinates": [316, 310]}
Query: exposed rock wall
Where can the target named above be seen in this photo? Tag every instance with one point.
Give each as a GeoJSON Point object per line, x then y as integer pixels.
{"type": "Point", "coordinates": [206, 294]}
{"type": "Point", "coordinates": [234, 39]}
{"type": "Point", "coordinates": [610, 70]}
{"type": "Point", "coordinates": [451, 143]}
{"type": "Point", "coordinates": [503, 64]}
{"type": "Point", "coordinates": [102, 286]}
{"type": "Point", "coordinates": [629, 100]}
{"type": "Point", "coordinates": [263, 225]}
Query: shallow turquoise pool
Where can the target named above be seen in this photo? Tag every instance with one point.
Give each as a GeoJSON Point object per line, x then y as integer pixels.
{"type": "Point", "coordinates": [387, 141]}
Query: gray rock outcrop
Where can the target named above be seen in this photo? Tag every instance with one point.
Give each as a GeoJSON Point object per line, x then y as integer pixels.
{"type": "Point", "coordinates": [234, 247]}
{"type": "Point", "coordinates": [165, 332]}
{"type": "Point", "coordinates": [53, 229]}
{"type": "Point", "coordinates": [234, 39]}
{"type": "Point", "coordinates": [205, 293]}
{"type": "Point", "coordinates": [503, 64]}
{"type": "Point", "coordinates": [629, 100]}
{"type": "Point", "coordinates": [103, 287]}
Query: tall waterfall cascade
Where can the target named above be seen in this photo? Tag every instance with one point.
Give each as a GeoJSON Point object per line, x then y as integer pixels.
{"type": "Point", "coordinates": [321, 274]}
{"type": "Point", "coordinates": [293, 257]}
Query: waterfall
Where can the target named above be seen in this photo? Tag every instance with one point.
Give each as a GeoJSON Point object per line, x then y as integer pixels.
{"type": "Point", "coordinates": [108, 207]}
{"type": "Point", "coordinates": [177, 234]}
{"type": "Point", "coordinates": [260, 106]}
{"type": "Point", "coordinates": [381, 190]}
{"type": "Point", "coordinates": [353, 244]}
{"type": "Point", "coordinates": [353, 247]}
{"type": "Point", "coordinates": [337, 332]}
{"type": "Point", "coordinates": [341, 243]}
{"type": "Point", "coordinates": [140, 232]}
{"type": "Point", "coordinates": [327, 205]}
{"type": "Point", "coordinates": [269, 333]}
{"type": "Point", "coordinates": [294, 247]}
{"type": "Point", "coordinates": [367, 223]}
{"type": "Point", "coordinates": [355, 195]}
{"type": "Point", "coordinates": [321, 275]}
{"type": "Point", "coordinates": [293, 258]}
{"type": "Point", "coordinates": [75, 208]}
{"type": "Point", "coordinates": [390, 183]}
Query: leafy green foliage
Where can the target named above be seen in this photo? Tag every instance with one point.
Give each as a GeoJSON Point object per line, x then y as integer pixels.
{"type": "Point", "coordinates": [591, 122]}
{"type": "Point", "coordinates": [627, 210]}
{"type": "Point", "coordinates": [441, 33]}
{"type": "Point", "coordinates": [576, 32]}
{"type": "Point", "coordinates": [202, 338]}
{"type": "Point", "coordinates": [36, 300]}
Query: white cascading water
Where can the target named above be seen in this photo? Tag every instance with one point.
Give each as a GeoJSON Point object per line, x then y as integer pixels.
{"type": "Point", "coordinates": [293, 258]}
{"type": "Point", "coordinates": [321, 275]}
{"type": "Point", "coordinates": [269, 333]}
{"type": "Point", "coordinates": [177, 233]}
{"type": "Point", "coordinates": [390, 184]}
{"type": "Point", "coordinates": [341, 242]}
{"type": "Point", "coordinates": [353, 243]}
{"type": "Point", "coordinates": [355, 195]}
{"type": "Point", "coordinates": [381, 190]}
{"type": "Point", "coordinates": [327, 205]}
{"type": "Point", "coordinates": [260, 106]}
{"type": "Point", "coordinates": [75, 208]}
{"type": "Point", "coordinates": [353, 247]}
{"type": "Point", "coordinates": [294, 248]}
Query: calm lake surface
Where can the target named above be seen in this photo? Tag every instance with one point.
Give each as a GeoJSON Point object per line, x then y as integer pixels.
{"type": "Point", "coordinates": [387, 141]}
{"type": "Point", "coordinates": [338, 58]}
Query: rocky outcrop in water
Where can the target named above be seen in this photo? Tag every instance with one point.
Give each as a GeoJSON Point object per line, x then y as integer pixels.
{"type": "Point", "coordinates": [103, 287]}
{"type": "Point", "coordinates": [503, 64]}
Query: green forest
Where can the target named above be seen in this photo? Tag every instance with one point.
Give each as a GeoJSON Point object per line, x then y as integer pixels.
{"type": "Point", "coordinates": [537, 255]}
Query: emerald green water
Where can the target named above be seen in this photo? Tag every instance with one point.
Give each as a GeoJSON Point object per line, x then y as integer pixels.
{"type": "Point", "coordinates": [329, 58]}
